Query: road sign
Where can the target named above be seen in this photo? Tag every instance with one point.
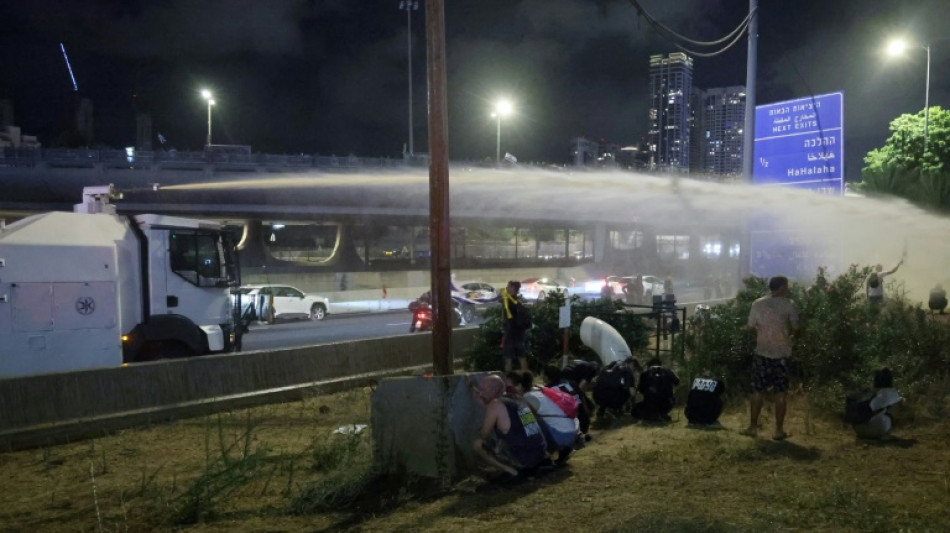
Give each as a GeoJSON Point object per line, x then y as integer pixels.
{"type": "Point", "coordinates": [800, 143]}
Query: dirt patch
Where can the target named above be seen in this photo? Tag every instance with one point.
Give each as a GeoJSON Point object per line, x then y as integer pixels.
{"type": "Point", "coordinates": [242, 471]}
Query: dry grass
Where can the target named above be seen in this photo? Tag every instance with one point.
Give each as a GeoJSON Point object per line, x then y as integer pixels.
{"type": "Point", "coordinates": [245, 471]}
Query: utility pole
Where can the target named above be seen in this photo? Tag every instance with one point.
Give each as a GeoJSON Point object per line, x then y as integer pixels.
{"type": "Point", "coordinates": [748, 130]}
{"type": "Point", "coordinates": [440, 268]}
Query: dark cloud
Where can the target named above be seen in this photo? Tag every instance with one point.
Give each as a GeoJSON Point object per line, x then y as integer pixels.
{"type": "Point", "coordinates": [331, 76]}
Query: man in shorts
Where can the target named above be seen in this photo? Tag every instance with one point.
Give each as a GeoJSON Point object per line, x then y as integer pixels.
{"type": "Point", "coordinates": [773, 318]}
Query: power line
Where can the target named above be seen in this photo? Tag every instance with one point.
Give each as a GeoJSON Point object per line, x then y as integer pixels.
{"type": "Point", "coordinates": [672, 36]}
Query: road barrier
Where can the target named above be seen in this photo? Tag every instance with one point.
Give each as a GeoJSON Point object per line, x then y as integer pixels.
{"type": "Point", "coordinates": [55, 408]}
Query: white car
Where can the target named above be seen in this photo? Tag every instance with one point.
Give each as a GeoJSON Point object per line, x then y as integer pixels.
{"type": "Point", "coordinates": [476, 291]}
{"type": "Point", "coordinates": [289, 302]}
{"type": "Point", "coordinates": [537, 288]}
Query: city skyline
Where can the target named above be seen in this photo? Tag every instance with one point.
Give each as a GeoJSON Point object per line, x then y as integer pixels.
{"type": "Point", "coordinates": [330, 77]}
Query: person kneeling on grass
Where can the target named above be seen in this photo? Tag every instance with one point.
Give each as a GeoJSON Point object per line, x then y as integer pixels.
{"type": "Point", "coordinates": [704, 402]}
{"type": "Point", "coordinates": [558, 380]}
{"type": "Point", "coordinates": [867, 412]}
{"type": "Point", "coordinates": [510, 438]}
{"type": "Point", "coordinates": [556, 411]}
{"type": "Point", "coordinates": [656, 384]}
{"type": "Point", "coordinates": [613, 387]}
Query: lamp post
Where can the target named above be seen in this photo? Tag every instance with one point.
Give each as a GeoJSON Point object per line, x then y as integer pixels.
{"type": "Point", "coordinates": [895, 48]}
{"type": "Point", "coordinates": [206, 94]}
{"type": "Point", "coordinates": [409, 6]}
{"type": "Point", "coordinates": [502, 108]}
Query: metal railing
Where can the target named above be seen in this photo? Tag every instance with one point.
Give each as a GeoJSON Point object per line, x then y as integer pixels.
{"type": "Point", "coordinates": [88, 158]}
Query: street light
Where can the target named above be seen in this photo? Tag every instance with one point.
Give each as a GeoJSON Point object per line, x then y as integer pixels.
{"type": "Point", "coordinates": [896, 48]}
{"type": "Point", "coordinates": [206, 94]}
{"type": "Point", "coordinates": [409, 6]}
{"type": "Point", "coordinates": [502, 108]}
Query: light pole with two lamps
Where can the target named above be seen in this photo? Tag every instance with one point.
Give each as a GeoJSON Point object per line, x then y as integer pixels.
{"type": "Point", "coordinates": [502, 108]}
{"type": "Point", "coordinates": [206, 94]}
{"type": "Point", "coordinates": [895, 48]}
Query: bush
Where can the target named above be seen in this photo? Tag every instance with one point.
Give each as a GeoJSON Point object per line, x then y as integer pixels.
{"type": "Point", "coordinates": [544, 340]}
{"type": "Point", "coordinates": [841, 340]}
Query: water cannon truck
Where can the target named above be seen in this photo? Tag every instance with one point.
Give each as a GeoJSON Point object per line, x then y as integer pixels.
{"type": "Point", "coordinates": [94, 289]}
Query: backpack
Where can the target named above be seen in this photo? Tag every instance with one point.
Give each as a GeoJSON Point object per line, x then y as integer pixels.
{"type": "Point", "coordinates": [657, 383]}
{"type": "Point", "coordinates": [874, 281]}
{"type": "Point", "coordinates": [564, 401]}
{"type": "Point", "coordinates": [857, 407]}
{"type": "Point", "coordinates": [612, 377]}
{"type": "Point", "coordinates": [522, 319]}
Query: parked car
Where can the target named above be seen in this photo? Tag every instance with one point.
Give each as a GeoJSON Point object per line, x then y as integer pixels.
{"type": "Point", "coordinates": [289, 302]}
{"type": "Point", "coordinates": [537, 288]}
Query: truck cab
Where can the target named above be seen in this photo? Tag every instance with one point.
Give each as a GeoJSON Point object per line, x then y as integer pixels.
{"type": "Point", "coordinates": [93, 289]}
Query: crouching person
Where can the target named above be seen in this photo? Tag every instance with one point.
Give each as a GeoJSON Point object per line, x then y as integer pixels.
{"type": "Point", "coordinates": [557, 411]}
{"type": "Point", "coordinates": [868, 411]}
{"type": "Point", "coordinates": [560, 380]}
{"type": "Point", "coordinates": [614, 386]}
{"type": "Point", "coordinates": [656, 384]}
{"type": "Point", "coordinates": [704, 402]}
{"type": "Point", "coordinates": [510, 438]}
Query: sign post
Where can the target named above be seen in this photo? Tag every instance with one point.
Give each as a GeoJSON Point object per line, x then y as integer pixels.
{"type": "Point", "coordinates": [564, 322]}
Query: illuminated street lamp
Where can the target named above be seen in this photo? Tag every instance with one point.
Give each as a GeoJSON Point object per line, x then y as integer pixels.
{"type": "Point", "coordinates": [206, 94]}
{"type": "Point", "coordinates": [896, 48]}
{"type": "Point", "coordinates": [502, 108]}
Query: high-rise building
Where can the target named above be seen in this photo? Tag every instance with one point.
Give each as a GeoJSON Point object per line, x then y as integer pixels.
{"type": "Point", "coordinates": [671, 87]}
{"type": "Point", "coordinates": [719, 117]}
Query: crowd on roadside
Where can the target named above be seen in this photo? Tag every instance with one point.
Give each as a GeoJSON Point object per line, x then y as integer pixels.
{"type": "Point", "coordinates": [530, 428]}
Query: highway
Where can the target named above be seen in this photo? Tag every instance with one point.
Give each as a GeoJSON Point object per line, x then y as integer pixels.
{"type": "Point", "coordinates": [335, 328]}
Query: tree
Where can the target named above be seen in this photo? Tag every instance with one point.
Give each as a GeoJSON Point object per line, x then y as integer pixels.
{"type": "Point", "coordinates": [902, 168]}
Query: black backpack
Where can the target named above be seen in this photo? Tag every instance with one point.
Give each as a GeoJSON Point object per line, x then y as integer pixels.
{"type": "Point", "coordinates": [612, 377]}
{"type": "Point", "coordinates": [657, 382]}
{"type": "Point", "coordinates": [857, 407]}
{"type": "Point", "coordinates": [522, 319]}
{"type": "Point", "coordinates": [874, 281]}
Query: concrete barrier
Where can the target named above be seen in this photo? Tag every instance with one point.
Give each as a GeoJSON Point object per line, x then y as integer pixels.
{"type": "Point", "coordinates": [426, 426]}
{"type": "Point", "coordinates": [60, 407]}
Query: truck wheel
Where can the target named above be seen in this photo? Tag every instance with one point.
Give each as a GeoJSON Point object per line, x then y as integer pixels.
{"type": "Point", "coordinates": [318, 312]}
{"type": "Point", "coordinates": [174, 350]}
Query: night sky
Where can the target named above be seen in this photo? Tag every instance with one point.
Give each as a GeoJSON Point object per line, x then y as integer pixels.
{"type": "Point", "coordinates": [330, 77]}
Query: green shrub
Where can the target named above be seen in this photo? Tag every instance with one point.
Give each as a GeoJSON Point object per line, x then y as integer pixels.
{"type": "Point", "coordinates": [544, 340]}
{"type": "Point", "coordinates": [841, 340]}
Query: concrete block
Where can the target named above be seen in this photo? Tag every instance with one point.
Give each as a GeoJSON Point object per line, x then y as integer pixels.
{"type": "Point", "coordinates": [426, 426]}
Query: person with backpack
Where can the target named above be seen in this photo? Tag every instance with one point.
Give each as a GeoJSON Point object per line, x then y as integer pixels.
{"type": "Point", "coordinates": [614, 386]}
{"type": "Point", "coordinates": [510, 438]}
{"type": "Point", "coordinates": [874, 284]}
{"type": "Point", "coordinates": [867, 411]}
{"type": "Point", "coordinates": [516, 321]}
{"type": "Point", "coordinates": [704, 401]}
{"type": "Point", "coordinates": [656, 384]}
{"type": "Point", "coordinates": [556, 378]}
{"type": "Point", "coordinates": [556, 411]}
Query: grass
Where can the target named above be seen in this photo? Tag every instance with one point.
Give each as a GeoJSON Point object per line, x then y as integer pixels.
{"type": "Point", "coordinates": [281, 468]}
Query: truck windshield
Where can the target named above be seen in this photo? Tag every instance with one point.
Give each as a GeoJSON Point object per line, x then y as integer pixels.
{"type": "Point", "coordinates": [200, 258]}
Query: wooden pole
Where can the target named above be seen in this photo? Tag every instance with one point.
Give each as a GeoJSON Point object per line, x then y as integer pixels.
{"type": "Point", "coordinates": [440, 246]}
